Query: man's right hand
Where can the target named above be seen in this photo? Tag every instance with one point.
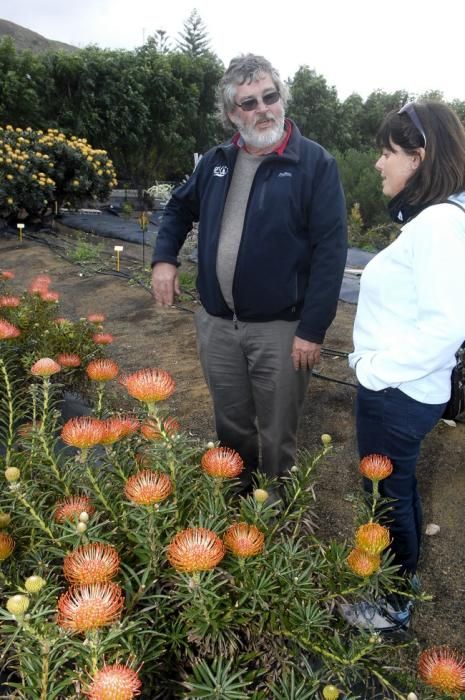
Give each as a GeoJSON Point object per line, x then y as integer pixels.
{"type": "Point", "coordinates": [165, 283]}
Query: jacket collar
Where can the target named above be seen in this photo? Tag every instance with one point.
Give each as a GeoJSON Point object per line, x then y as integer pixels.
{"type": "Point", "coordinates": [291, 149]}
{"type": "Point", "coordinates": [238, 141]}
{"type": "Point", "coordinates": [402, 211]}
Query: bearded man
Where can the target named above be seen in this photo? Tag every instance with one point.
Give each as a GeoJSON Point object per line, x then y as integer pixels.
{"type": "Point", "coordinates": [272, 247]}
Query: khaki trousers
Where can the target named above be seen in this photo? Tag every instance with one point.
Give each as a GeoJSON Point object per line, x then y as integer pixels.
{"type": "Point", "coordinates": [257, 394]}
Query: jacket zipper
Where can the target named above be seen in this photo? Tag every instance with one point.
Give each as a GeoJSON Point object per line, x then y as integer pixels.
{"type": "Point", "coordinates": [263, 190]}
{"type": "Point", "coordinates": [260, 204]}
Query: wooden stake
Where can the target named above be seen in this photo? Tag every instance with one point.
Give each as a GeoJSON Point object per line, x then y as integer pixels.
{"type": "Point", "coordinates": [118, 249]}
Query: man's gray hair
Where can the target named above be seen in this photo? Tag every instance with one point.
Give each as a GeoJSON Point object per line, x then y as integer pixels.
{"type": "Point", "coordinates": [245, 68]}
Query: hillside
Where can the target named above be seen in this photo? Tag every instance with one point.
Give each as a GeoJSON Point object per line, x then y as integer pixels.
{"type": "Point", "coordinates": [24, 38]}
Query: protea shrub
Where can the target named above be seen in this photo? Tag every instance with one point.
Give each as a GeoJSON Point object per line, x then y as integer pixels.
{"type": "Point", "coordinates": [145, 569]}
{"type": "Point", "coordinates": [32, 330]}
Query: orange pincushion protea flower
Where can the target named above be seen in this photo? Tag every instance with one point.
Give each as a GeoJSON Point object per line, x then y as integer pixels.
{"type": "Point", "coordinates": [89, 607]}
{"type": "Point", "coordinates": [102, 370]}
{"type": "Point", "coordinates": [7, 545]}
{"type": "Point", "coordinates": [10, 302]}
{"type": "Point", "coordinates": [49, 296]}
{"type": "Point", "coordinates": [363, 563]}
{"type": "Point", "coordinates": [128, 424]}
{"type": "Point", "coordinates": [195, 549]}
{"type": "Point", "coordinates": [152, 430]}
{"type": "Point", "coordinates": [372, 538]}
{"type": "Point", "coordinates": [45, 367]}
{"type": "Point", "coordinates": [376, 467]}
{"type": "Point", "coordinates": [96, 318]}
{"type": "Point", "coordinates": [69, 359]}
{"type": "Point", "coordinates": [150, 385]}
{"type": "Point", "coordinates": [115, 682]}
{"type": "Point", "coordinates": [443, 669]}
{"type": "Point", "coordinates": [222, 462]}
{"type": "Point", "coordinates": [148, 487]}
{"type": "Point", "coordinates": [40, 284]}
{"type": "Point", "coordinates": [103, 338]}
{"type": "Point", "coordinates": [82, 432]}
{"type": "Point", "coordinates": [91, 563]}
{"type": "Point", "coordinates": [244, 540]}
{"type": "Point", "coordinates": [71, 508]}
{"type": "Point", "coordinates": [7, 275]}
{"type": "Point", "coordinates": [117, 427]}
{"type": "Point", "coordinates": [113, 430]}
{"type": "Point", "coordinates": [8, 330]}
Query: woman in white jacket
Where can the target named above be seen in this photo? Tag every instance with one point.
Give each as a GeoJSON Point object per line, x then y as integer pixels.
{"type": "Point", "coordinates": [410, 318]}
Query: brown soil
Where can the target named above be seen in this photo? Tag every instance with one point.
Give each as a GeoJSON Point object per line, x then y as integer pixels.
{"type": "Point", "coordinates": [146, 336]}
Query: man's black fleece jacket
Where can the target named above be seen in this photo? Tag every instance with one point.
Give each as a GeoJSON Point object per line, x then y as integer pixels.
{"type": "Point", "coordinates": [293, 249]}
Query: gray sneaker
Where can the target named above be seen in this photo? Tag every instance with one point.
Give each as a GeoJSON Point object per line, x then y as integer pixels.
{"type": "Point", "coordinates": [379, 616]}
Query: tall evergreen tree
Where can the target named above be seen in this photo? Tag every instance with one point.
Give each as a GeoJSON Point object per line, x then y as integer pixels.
{"type": "Point", "coordinates": [193, 40]}
{"type": "Point", "coordinates": [160, 41]}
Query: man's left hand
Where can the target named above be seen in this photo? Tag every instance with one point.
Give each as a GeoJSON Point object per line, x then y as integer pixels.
{"type": "Point", "coordinates": [305, 355]}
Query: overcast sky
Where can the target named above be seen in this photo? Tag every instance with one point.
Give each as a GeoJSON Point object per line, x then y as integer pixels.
{"type": "Point", "coordinates": [357, 45]}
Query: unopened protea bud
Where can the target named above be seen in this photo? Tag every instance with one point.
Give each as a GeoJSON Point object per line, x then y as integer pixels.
{"type": "Point", "coordinates": [12, 474]}
{"type": "Point", "coordinates": [210, 445]}
{"type": "Point", "coordinates": [34, 584]}
{"type": "Point", "coordinates": [17, 605]}
{"type": "Point", "coordinates": [294, 468]}
{"type": "Point", "coordinates": [7, 545]}
{"type": "Point", "coordinates": [330, 692]}
{"type": "Point", "coordinates": [81, 527]}
{"type": "Point", "coordinates": [326, 439]}
{"type": "Point", "coordinates": [261, 495]}
{"type": "Point", "coordinates": [84, 517]}
{"type": "Point", "coordinates": [5, 519]}
{"type": "Point", "coordinates": [412, 696]}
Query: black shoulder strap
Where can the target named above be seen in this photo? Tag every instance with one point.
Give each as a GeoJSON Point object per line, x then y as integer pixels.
{"type": "Point", "coordinates": [456, 204]}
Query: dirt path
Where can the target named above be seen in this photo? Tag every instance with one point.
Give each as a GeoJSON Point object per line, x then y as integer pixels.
{"type": "Point", "coordinates": [145, 337]}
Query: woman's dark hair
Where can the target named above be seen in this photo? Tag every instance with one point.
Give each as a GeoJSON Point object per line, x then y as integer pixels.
{"type": "Point", "coordinates": [442, 171]}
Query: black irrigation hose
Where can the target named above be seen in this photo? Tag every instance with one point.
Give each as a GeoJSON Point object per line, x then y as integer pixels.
{"type": "Point", "coordinates": [55, 247]}
{"type": "Point", "coordinates": [317, 374]}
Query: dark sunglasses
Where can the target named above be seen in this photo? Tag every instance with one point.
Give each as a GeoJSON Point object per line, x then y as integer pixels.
{"type": "Point", "coordinates": [409, 109]}
{"type": "Point", "coordinates": [252, 102]}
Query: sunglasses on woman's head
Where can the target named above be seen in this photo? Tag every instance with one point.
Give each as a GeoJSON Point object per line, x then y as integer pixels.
{"type": "Point", "coordinates": [251, 103]}
{"type": "Point", "coordinates": [409, 109]}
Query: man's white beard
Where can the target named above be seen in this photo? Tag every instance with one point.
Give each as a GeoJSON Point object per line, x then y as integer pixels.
{"type": "Point", "coordinates": [261, 139]}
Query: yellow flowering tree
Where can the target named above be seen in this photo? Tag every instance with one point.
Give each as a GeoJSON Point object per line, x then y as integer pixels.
{"type": "Point", "coordinates": [39, 171]}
